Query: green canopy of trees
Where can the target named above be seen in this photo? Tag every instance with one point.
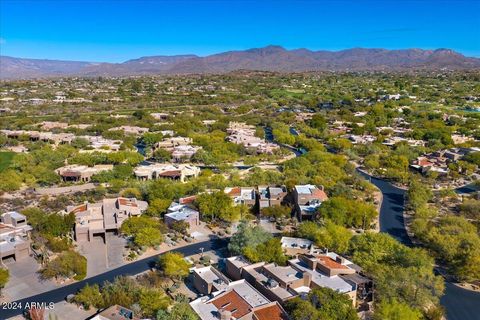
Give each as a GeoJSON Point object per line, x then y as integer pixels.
{"type": "Point", "coordinates": [329, 235]}
{"type": "Point", "coordinates": [322, 304]}
{"type": "Point", "coordinates": [4, 276]}
{"type": "Point", "coordinates": [173, 265]}
{"type": "Point", "coordinates": [247, 236]}
{"type": "Point", "coordinates": [144, 230]}
{"type": "Point", "coordinates": [348, 212]}
{"type": "Point", "coordinates": [68, 264]}
{"type": "Point", "coordinates": [399, 272]}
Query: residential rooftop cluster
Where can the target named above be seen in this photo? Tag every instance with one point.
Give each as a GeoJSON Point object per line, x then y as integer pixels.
{"type": "Point", "coordinates": [245, 286]}
{"type": "Point", "coordinates": [244, 134]}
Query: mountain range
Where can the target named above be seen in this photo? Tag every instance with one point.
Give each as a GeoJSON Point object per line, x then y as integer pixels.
{"type": "Point", "coordinates": [270, 58]}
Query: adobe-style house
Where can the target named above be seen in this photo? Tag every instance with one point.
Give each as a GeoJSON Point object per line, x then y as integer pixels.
{"type": "Point", "coordinates": [244, 134]}
{"type": "Point", "coordinates": [242, 195]}
{"type": "Point", "coordinates": [208, 279]}
{"type": "Point", "coordinates": [14, 236]}
{"type": "Point", "coordinates": [182, 212]}
{"type": "Point", "coordinates": [269, 196]}
{"type": "Point", "coordinates": [308, 199]}
{"type": "Point", "coordinates": [240, 301]}
{"type": "Point", "coordinates": [154, 171]}
{"type": "Point", "coordinates": [96, 219]}
{"type": "Point", "coordinates": [80, 173]}
{"type": "Point", "coordinates": [301, 275]}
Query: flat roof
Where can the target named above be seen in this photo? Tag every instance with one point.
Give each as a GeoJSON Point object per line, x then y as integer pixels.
{"type": "Point", "coordinates": [335, 282]}
{"type": "Point", "coordinates": [210, 275]}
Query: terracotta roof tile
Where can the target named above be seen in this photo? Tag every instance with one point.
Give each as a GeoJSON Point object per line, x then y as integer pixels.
{"type": "Point", "coordinates": [330, 263]}
{"type": "Point", "coordinates": [273, 312]}
{"type": "Point", "coordinates": [231, 301]}
{"type": "Point", "coordinates": [235, 192]}
{"type": "Point", "coordinates": [320, 194]}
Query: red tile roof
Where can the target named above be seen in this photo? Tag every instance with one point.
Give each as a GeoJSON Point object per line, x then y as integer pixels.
{"type": "Point", "coordinates": [235, 192]}
{"type": "Point", "coordinates": [273, 312]}
{"type": "Point", "coordinates": [330, 263]}
{"type": "Point", "coordinates": [127, 202]}
{"type": "Point", "coordinates": [320, 194]}
{"type": "Point", "coordinates": [80, 208]}
{"type": "Point", "coordinates": [186, 200]}
{"type": "Point", "coordinates": [233, 302]}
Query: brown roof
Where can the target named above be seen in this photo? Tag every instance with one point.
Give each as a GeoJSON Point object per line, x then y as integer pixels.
{"type": "Point", "coordinates": [172, 173]}
{"type": "Point", "coordinates": [117, 312]}
{"type": "Point", "coordinates": [80, 208]}
{"type": "Point", "coordinates": [272, 312]}
{"type": "Point", "coordinates": [186, 200]}
{"type": "Point", "coordinates": [231, 301]}
{"type": "Point", "coordinates": [330, 263]}
{"type": "Point", "coordinates": [126, 202]}
{"type": "Point", "coordinates": [424, 162]}
{"type": "Point", "coordinates": [320, 194]}
{"type": "Point", "coordinates": [234, 192]}
{"type": "Point", "coordinates": [71, 174]}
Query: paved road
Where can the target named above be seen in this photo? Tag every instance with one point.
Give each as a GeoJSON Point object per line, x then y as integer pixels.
{"type": "Point", "coordinates": [133, 268]}
{"type": "Point", "coordinates": [469, 188]}
{"type": "Point", "coordinates": [459, 303]}
{"type": "Point", "coordinates": [391, 211]}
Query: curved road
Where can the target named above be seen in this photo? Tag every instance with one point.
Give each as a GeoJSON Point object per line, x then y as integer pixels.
{"type": "Point", "coordinates": [460, 304]}
{"type": "Point", "coordinates": [133, 268]}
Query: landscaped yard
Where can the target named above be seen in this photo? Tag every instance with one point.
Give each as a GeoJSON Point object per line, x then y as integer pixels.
{"type": "Point", "coordinates": [5, 159]}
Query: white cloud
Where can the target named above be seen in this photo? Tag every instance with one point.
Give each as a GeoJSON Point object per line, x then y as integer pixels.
{"type": "Point", "coordinates": [3, 41]}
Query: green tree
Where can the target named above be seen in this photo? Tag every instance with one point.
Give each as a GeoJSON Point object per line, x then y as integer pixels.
{"type": "Point", "coordinates": [148, 237]}
{"type": "Point", "coordinates": [173, 265]}
{"type": "Point", "coordinates": [10, 181]}
{"type": "Point", "coordinates": [396, 311]}
{"type": "Point", "coordinates": [276, 212]}
{"type": "Point", "coordinates": [247, 236]}
{"type": "Point", "coordinates": [318, 122]}
{"type": "Point", "coordinates": [157, 207]}
{"type": "Point", "coordinates": [180, 311]}
{"type": "Point", "coordinates": [399, 272]}
{"type": "Point", "coordinates": [268, 251]}
{"type": "Point", "coordinates": [348, 212]}
{"type": "Point", "coordinates": [330, 235]}
{"type": "Point", "coordinates": [4, 276]}
{"type": "Point", "coordinates": [152, 300]}
{"type": "Point", "coordinates": [216, 205]}
{"type": "Point", "coordinates": [322, 304]}
{"type": "Point", "coordinates": [69, 264]}
{"type": "Point", "coordinates": [89, 296]}
{"type": "Point", "coordinates": [418, 194]}
{"type": "Point", "coordinates": [144, 230]}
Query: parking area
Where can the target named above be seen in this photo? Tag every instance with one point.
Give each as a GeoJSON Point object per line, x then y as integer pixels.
{"type": "Point", "coordinates": [24, 280]}
{"type": "Point", "coordinates": [115, 250]}
{"type": "Point", "coordinates": [72, 310]}
{"type": "Point", "coordinates": [96, 253]}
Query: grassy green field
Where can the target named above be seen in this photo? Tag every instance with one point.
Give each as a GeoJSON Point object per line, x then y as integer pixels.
{"type": "Point", "coordinates": [5, 159]}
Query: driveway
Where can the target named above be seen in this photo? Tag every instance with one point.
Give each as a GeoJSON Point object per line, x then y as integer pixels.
{"type": "Point", "coordinates": [96, 253]}
{"type": "Point", "coordinates": [115, 250]}
{"type": "Point", "coordinates": [136, 267]}
{"type": "Point", "coordinates": [24, 279]}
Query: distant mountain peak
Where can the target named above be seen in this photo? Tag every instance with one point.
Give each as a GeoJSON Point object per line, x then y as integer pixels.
{"type": "Point", "coordinates": [268, 58]}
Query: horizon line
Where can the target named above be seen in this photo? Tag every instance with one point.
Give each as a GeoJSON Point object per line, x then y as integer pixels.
{"type": "Point", "coordinates": [239, 50]}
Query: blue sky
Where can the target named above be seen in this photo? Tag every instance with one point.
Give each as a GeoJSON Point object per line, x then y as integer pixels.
{"type": "Point", "coordinates": [116, 31]}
